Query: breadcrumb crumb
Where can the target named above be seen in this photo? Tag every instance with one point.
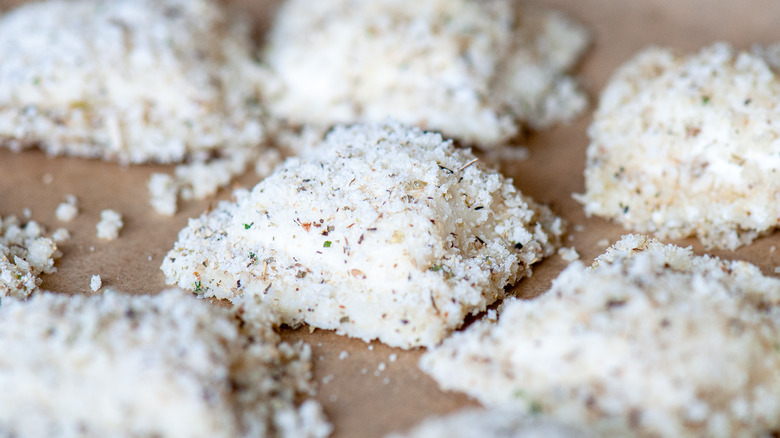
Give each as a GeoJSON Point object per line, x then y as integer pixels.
{"type": "Point", "coordinates": [95, 283]}
{"type": "Point", "coordinates": [109, 225]}
{"type": "Point", "coordinates": [67, 210]}
{"type": "Point", "coordinates": [568, 254]}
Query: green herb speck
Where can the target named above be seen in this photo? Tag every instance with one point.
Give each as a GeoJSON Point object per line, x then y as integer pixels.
{"type": "Point", "coordinates": [326, 244]}
{"type": "Point", "coordinates": [197, 286]}
{"type": "Point", "coordinates": [705, 100]}
{"type": "Point", "coordinates": [246, 226]}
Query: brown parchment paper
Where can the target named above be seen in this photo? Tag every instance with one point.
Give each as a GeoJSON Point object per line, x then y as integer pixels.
{"type": "Point", "coordinates": [362, 397]}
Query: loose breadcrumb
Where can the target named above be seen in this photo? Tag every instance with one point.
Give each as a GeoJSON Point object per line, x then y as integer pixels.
{"type": "Point", "coordinates": [128, 80]}
{"type": "Point", "coordinates": [568, 254]}
{"type": "Point", "coordinates": [164, 194]}
{"type": "Point", "coordinates": [474, 70]}
{"type": "Point", "coordinates": [685, 145]}
{"type": "Point", "coordinates": [25, 254]}
{"type": "Point", "coordinates": [60, 235]}
{"type": "Point", "coordinates": [197, 180]}
{"type": "Point", "coordinates": [495, 423]}
{"type": "Point", "coordinates": [140, 366]}
{"type": "Point", "coordinates": [95, 283]}
{"type": "Point", "coordinates": [68, 210]}
{"type": "Point", "coordinates": [109, 225]}
{"type": "Point", "coordinates": [384, 232]}
{"type": "Point", "coordinates": [651, 340]}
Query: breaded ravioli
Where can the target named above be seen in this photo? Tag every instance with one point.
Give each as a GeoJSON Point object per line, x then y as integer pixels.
{"type": "Point", "coordinates": [128, 80]}
{"type": "Point", "coordinates": [687, 145]}
{"type": "Point", "coordinates": [477, 71]}
{"type": "Point", "coordinates": [490, 423]}
{"type": "Point", "coordinates": [651, 340]}
{"type": "Point", "coordinates": [166, 365]}
{"type": "Point", "coordinates": [383, 232]}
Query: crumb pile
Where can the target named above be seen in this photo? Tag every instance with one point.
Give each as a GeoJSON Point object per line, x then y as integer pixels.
{"type": "Point", "coordinates": [650, 340]}
{"type": "Point", "coordinates": [493, 423]}
{"type": "Point", "coordinates": [687, 145]}
{"type": "Point", "coordinates": [25, 254]}
{"type": "Point", "coordinates": [384, 232]}
{"type": "Point", "coordinates": [474, 70]}
{"type": "Point", "coordinates": [127, 80]}
{"type": "Point", "coordinates": [139, 366]}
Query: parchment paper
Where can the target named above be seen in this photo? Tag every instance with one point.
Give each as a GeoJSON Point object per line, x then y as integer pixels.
{"type": "Point", "coordinates": [362, 397]}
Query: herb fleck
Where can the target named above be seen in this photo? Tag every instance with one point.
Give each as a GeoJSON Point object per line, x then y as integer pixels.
{"type": "Point", "coordinates": [326, 244]}
{"type": "Point", "coordinates": [247, 226]}
{"type": "Point", "coordinates": [198, 286]}
{"type": "Point", "coordinates": [705, 100]}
